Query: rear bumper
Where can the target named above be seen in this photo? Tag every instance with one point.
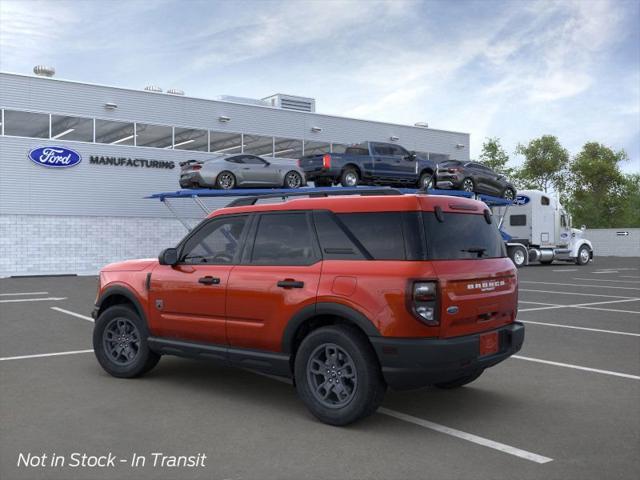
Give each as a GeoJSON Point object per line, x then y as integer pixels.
{"type": "Point", "coordinates": [192, 179]}
{"type": "Point", "coordinates": [314, 173]}
{"type": "Point", "coordinates": [414, 363]}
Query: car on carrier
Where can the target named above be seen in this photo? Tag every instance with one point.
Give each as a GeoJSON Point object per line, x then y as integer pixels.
{"type": "Point", "coordinates": [346, 294]}
{"type": "Point", "coordinates": [473, 177]}
{"type": "Point", "coordinates": [370, 163]}
{"type": "Point", "coordinates": [238, 171]}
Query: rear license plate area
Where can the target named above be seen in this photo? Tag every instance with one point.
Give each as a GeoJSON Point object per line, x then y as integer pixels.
{"type": "Point", "coordinates": [489, 343]}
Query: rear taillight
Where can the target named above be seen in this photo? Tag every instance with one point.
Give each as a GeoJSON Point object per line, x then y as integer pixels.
{"type": "Point", "coordinates": [326, 161]}
{"type": "Point", "coordinates": [453, 170]}
{"type": "Point", "coordinates": [424, 300]}
{"type": "Point", "coordinates": [299, 163]}
{"type": "Point", "coordinates": [196, 167]}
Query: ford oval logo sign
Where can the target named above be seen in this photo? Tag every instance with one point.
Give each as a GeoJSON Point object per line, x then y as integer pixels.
{"type": "Point", "coordinates": [55, 157]}
{"type": "Point", "coordinates": [521, 200]}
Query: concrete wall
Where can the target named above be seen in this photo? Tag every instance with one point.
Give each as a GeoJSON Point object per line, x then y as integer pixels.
{"type": "Point", "coordinates": [607, 242]}
{"type": "Point", "coordinates": [51, 244]}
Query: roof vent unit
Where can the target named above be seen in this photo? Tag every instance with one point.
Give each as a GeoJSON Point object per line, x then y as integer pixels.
{"type": "Point", "coordinates": [44, 71]}
{"type": "Point", "coordinates": [175, 91]}
{"type": "Point", "coordinates": [153, 88]}
{"type": "Point", "coordinates": [245, 100]}
{"type": "Point", "coordinates": [291, 102]}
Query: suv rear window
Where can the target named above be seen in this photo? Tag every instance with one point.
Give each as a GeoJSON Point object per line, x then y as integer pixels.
{"type": "Point", "coordinates": [462, 236]}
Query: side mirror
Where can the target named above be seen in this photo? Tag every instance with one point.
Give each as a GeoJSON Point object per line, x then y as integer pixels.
{"type": "Point", "coordinates": [169, 256]}
{"type": "Point", "coordinates": [411, 157]}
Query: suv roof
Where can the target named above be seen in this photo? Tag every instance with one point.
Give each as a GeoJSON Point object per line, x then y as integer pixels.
{"type": "Point", "coordinates": [369, 203]}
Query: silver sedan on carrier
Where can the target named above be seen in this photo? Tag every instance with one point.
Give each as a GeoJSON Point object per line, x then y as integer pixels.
{"type": "Point", "coordinates": [244, 170]}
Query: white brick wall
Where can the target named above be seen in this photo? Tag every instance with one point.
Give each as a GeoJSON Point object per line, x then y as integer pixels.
{"type": "Point", "coordinates": [42, 244]}
{"type": "Point", "coordinates": [607, 242]}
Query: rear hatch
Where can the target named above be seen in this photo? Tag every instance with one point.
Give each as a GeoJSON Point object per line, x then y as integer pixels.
{"type": "Point", "coordinates": [478, 289]}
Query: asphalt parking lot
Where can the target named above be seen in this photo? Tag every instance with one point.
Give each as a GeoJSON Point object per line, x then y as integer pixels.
{"type": "Point", "coordinates": [568, 406]}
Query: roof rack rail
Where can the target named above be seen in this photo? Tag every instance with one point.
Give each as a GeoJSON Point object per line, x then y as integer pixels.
{"type": "Point", "coordinates": [316, 192]}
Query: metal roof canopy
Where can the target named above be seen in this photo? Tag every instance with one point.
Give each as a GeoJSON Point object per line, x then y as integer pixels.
{"type": "Point", "coordinates": [252, 195]}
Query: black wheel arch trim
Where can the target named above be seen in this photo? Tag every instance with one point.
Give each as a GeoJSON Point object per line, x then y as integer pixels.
{"type": "Point", "coordinates": [325, 308]}
{"type": "Point", "coordinates": [120, 291]}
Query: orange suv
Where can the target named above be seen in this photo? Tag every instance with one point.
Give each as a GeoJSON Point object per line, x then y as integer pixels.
{"type": "Point", "coordinates": [347, 295]}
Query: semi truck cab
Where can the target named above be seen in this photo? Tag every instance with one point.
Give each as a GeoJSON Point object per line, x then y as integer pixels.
{"type": "Point", "coordinates": [539, 229]}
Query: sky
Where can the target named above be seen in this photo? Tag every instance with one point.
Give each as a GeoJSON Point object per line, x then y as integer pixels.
{"type": "Point", "coordinates": [514, 69]}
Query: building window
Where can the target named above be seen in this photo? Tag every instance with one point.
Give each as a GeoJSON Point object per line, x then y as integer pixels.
{"type": "Point", "coordinates": [114, 133]}
{"type": "Point", "coordinates": [287, 148]}
{"type": "Point", "coordinates": [225, 143]}
{"type": "Point", "coordinates": [258, 145]}
{"type": "Point", "coordinates": [157, 136]}
{"type": "Point", "coordinates": [316, 148]}
{"type": "Point", "coordinates": [71, 128]}
{"type": "Point", "coordinates": [26, 124]}
{"type": "Point", "coordinates": [191, 139]}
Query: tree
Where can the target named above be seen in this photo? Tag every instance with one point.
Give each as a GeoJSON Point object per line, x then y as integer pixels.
{"type": "Point", "coordinates": [494, 156]}
{"type": "Point", "coordinates": [600, 196]}
{"type": "Point", "coordinates": [545, 164]}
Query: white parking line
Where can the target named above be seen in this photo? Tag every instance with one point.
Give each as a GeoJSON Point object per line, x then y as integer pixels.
{"type": "Point", "coordinates": [533, 457]}
{"type": "Point", "coordinates": [73, 314]}
{"type": "Point", "coordinates": [583, 305]}
{"type": "Point", "coordinates": [577, 367]}
{"type": "Point", "coordinates": [629, 276]}
{"type": "Point", "coordinates": [607, 271]}
{"type": "Point", "coordinates": [581, 328]}
{"type": "Point", "coordinates": [540, 303]}
{"type": "Point", "coordinates": [23, 293]}
{"type": "Point", "coordinates": [581, 285]}
{"type": "Point", "coordinates": [442, 429]}
{"type": "Point", "coordinates": [611, 310]}
{"type": "Point", "coordinates": [574, 293]}
{"type": "Point", "coordinates": [607, 280]}
{"type": "Point", "coordinates": [566, 270]}
{"type": "Point", "coordinates": [47, 299]}
{"type": "Point", "coordinates": [40, 355]}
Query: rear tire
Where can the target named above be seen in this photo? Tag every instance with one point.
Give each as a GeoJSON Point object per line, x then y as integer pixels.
{"type": "Point", "coordinates": [120, 343]}
{"type": "Point", "coordinates": [349, 177]}
{"type": "Point", "coordinates": [459, 382]}
{"type": "Point", "coordinates": [468, 185]}
{"type": "Point", "coordinates": [338, 376]}
{"type": "Point", "coordinates": [292, 180]}
{"type": "Point", "coordinates": [225, 180]}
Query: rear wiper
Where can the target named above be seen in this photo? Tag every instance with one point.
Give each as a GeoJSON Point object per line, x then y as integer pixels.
{"type": "Point", "coordinates": [479, 250]}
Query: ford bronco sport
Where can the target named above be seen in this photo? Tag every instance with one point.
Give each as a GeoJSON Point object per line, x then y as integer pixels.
{"type": "Point", "coordinates": [346, 295]}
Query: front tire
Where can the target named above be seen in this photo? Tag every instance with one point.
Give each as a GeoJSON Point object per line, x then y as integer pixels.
{"type": "Point", "coordinates": [349, 177]}
{"type": "Point", "coordinates": [225, 180]}
{"type": "Point", "coordinates": [338, 376]}
{"type": "Point", "coordinates": [509, 194]}
{"type": "Point", "coordinates": [518, 256]}
{"type": "Point", "coordinates": [584, 255]}
{"type": "Point", "coordinates": [120, 343]}
{"type": "Point", "coordinates": [426, 181]}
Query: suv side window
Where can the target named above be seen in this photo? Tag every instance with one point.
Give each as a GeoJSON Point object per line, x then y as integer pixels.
{"type": "Point", "coordinates": [379, 232]}
{"type": "Point", "coordinates": [284, 239]}
{"type": "Point", "coordinates": [217, 242]}
{"type": "Point", "coordinates": [335, 241]}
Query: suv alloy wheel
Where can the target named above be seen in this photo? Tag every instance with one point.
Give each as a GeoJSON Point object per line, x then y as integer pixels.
{"type": "Point", "coordinates": [338, 376]}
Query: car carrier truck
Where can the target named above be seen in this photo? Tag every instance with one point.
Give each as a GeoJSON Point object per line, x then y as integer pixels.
{"type": "Point", "coordinates": [538, 229]}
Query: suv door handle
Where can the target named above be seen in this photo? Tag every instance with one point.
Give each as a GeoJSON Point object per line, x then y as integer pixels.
{"type": "Point", "coordinates": [209, 280]}
{"type": "Point", "coordinates": [288, 283]}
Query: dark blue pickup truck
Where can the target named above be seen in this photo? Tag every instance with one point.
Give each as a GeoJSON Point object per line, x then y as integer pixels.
{"type": "Point", "coordinates": [369, 163]}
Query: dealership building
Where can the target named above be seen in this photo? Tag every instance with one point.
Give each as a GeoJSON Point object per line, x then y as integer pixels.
{"type": "Point", "coordinates": [127, 144]}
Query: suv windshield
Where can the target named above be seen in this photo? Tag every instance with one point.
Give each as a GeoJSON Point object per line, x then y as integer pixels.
{"type": "Point", "coordinates": [461, 236]}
